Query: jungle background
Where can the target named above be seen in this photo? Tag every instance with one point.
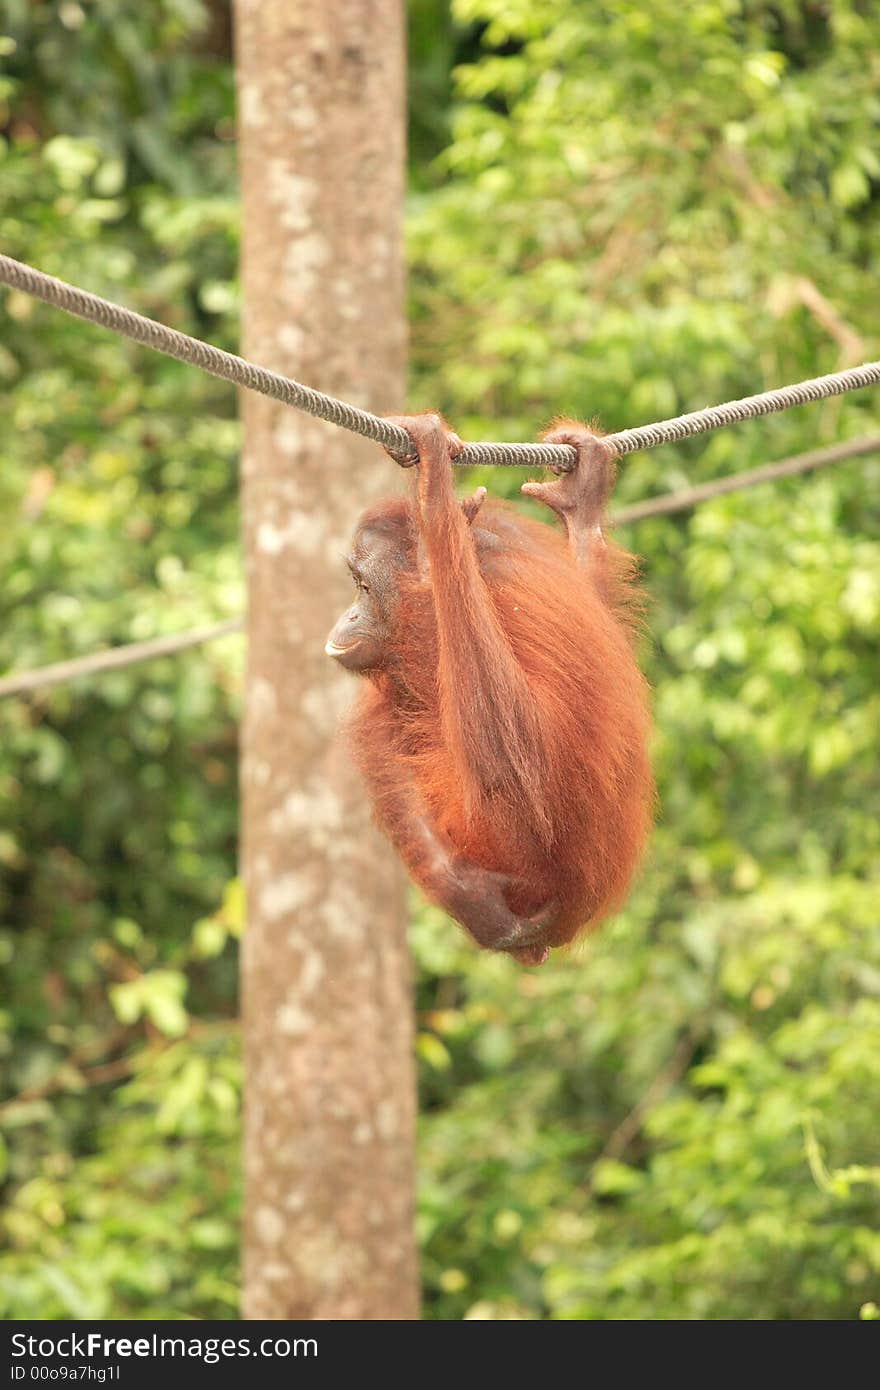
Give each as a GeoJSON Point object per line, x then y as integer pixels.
{"type": "Point", "coordinates": [627, 210]}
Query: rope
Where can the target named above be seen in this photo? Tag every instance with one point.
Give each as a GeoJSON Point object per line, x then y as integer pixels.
{"type": "Point", "coordinates": [25, 682]}
{"type": "Point", "coordinates": [715, 417]}
{"type": "Point", "coordinates": [281, 388]}
{"type": "Point", "coordinates": [229, 367]}
{"type": "Point", "coordinates": [786, 468]}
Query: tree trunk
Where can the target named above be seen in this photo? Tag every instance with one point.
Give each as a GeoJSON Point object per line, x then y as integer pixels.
{"type": "Point", "coordinates": [329, 1111]}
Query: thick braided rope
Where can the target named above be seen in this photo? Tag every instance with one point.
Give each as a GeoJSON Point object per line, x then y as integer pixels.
{"type": "Point", "coordinates": [242, 373]}
{"type": "Point", "coordinates": [715, 417]}
{"type": "Point", "coordinates": [229, 367]}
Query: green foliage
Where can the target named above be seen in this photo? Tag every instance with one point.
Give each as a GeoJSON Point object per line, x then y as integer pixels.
{"type": "Point", "coordinates": [117, 797]}
{"type": "Point", "coordinates": [643, 209]}
{"type": "Point", "coordinates": [711, 1038]}
{"type": "Point", "coordinates": [634, 210]}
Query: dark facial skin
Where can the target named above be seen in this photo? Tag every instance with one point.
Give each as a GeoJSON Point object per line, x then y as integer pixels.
{"type": "Point", "coordinates": [359, 637]}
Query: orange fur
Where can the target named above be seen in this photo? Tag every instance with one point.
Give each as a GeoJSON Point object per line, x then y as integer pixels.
{"type": "Point", "coordinates": [558, 789]}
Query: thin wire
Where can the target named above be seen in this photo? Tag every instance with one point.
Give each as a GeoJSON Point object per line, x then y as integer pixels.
{"type": "Point", "coordinates": [25, 682]}
{"type": "Point", "coordinates": [562, 457]}
{"type": "Point", "coordinates": [786, 468]}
